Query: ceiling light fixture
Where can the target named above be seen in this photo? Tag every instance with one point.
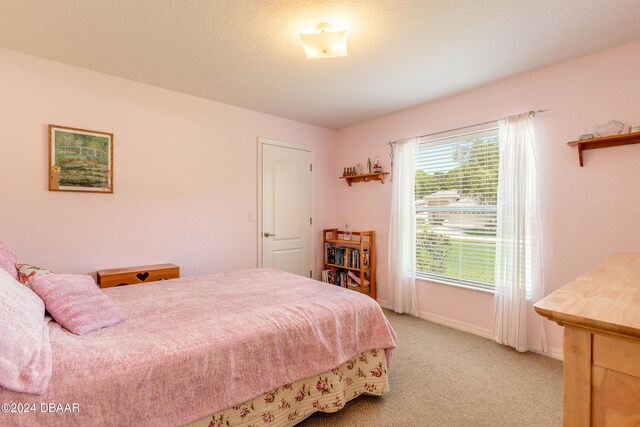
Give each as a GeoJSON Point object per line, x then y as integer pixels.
{"type": "Point", "coordinates": [326, 43]}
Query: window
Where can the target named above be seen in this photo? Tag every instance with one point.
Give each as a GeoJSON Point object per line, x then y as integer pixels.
{"type": "Point", "coordinates": [456, 190]}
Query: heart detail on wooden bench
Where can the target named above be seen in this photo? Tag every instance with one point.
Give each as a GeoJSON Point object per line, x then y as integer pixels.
{"type": "Point", "coordinates": [142, 276]}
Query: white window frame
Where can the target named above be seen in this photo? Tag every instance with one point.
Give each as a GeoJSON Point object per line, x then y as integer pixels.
{"type": "Point", "coordinates": [447, 280]}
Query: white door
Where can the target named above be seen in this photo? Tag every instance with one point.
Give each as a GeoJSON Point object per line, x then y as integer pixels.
{"type": "Point", "coordinates": [286, 230]}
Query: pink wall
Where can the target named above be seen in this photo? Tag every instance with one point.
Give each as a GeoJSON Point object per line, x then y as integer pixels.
{"type": "Point", "coordinates": [185, 173]}
{"type": "Point", "coordinates": [587, 213]}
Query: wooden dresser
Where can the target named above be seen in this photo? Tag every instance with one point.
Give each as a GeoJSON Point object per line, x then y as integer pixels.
{"type": "Point", "coordinates": [600, 312]}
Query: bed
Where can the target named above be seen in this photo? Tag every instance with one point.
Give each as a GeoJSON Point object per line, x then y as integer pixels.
{"type": "Point", "coordinates": [246, 348]}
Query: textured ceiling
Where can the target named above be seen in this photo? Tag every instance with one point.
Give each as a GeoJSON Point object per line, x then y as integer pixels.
{"type": "Point", "coordinates": [247, 52]}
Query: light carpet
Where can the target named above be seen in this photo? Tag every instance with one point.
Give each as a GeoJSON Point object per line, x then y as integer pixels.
{"type": "Point", "coordinates": [443, 377]}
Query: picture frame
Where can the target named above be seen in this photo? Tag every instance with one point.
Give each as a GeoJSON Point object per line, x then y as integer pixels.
{"type": "Point", "coordinates": [80, 160]}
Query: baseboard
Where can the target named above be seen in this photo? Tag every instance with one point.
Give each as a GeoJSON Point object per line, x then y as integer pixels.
{"type": "Point", "coordinates": [456, 324]}
{"type": "Point", "coordinates": [553, 352]}
{"type": "Point", "coordinates": [384, 304]}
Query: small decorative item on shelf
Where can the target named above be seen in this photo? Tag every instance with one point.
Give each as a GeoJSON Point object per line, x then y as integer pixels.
{"type": "Point", "coordinates": [613, 127]}
{"type": "Point", "coordinates": [377, 167]}
{"type": "Point", "coordinates": [587, 133]}
{"type": "Point", "coordinates": [347, 232]}
{"type": "Point", "coordinates": [359, 169]}
{"type": "Point", "coordinates": [349, 171]}
{"type": "Point", "coordinates": [369, 165]}
{"type": "Point", "coordinates": [634, 128]}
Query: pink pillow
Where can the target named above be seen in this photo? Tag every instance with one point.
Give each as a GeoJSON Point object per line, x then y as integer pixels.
{"type": "Point", "coordinates": [25, 352]}
{"type": "Point", "coordinates": [75, 302]}
{"type": "Point", "coordinates": [8, 260]}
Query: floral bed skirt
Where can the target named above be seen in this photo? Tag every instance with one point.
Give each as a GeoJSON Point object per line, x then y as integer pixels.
{"type": "Point", "coordinates": [292, 403]}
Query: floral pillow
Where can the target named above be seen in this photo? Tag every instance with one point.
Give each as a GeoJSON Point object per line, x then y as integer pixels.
{"type": "Point", "coordinates": [26, 272]}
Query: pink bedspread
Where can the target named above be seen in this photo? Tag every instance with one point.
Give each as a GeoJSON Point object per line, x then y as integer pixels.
{"type": "Point", "coordinates": [194, 346]}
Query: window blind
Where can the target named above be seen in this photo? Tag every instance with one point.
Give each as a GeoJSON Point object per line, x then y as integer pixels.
{"type": "Point", "coordinates": [455, 191]}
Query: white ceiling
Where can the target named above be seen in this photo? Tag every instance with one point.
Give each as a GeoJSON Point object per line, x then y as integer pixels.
{"type": "Point", "coordinates": [247, 53]}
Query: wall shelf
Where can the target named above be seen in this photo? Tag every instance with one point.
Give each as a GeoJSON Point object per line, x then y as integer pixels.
{"type": "Point", "coordinates": [604, 142]}
{"type": "Point", "coordinates": [378, 176]}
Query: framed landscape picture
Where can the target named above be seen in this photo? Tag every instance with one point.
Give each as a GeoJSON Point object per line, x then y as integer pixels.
{"type": "Point", "coordinates": [80, 160]}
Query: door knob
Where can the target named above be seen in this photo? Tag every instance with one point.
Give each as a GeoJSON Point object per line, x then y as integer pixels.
{"type": "Point", "coordinates": [267, 234]}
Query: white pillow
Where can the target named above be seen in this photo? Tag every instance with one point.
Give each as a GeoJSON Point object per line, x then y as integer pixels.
{"type": "Point", "coordinates": [8, 260]}
{"type": "Point", "coordinates": [25, 352]}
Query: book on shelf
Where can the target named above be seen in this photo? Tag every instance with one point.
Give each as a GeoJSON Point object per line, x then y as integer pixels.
{"type": "Point", "coordinates": [345, 256]}
{"type": "Point", "coordinates": [340, 278]}
{"type": "Point", "coordinates": [357, 288]}
{"type": "Point", "coordinates": [344, 279]}
{"type": "Point", "coordinates": [335, 277]}
{"type": "Point", "coordinates": [330, 254]}
{"type": "Point", "coordinates": [354, 277]}
{"type": "Point", "coordinates": [325, 276]}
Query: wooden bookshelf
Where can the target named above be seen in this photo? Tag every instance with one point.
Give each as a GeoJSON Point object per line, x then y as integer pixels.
{"type": "Point", "coordinates": [354, 254]}
{"type": "Point", "coordinates": [604, 142]}
{"type": "Point", "coordinates": [377, 176]}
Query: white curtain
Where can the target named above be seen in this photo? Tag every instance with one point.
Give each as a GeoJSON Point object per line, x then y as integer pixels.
{"type": "Point", "coordinates": [402, 229]}
{"type": "Point", "coordinates": [517, 274]}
